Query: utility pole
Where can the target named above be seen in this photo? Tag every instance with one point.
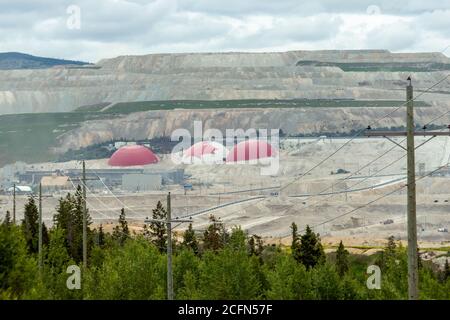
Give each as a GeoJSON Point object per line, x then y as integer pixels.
{"type": "Point", "coordinates": [169, 251]}
{"type": "Point", "coordinates": [84, 218]}
{"type": "Point", "coordinates": [413, 267]}
{"type": "Point", "coordinates": [14, 204]}
{"type": "Point", "coordinates": [168, 223]}
{"type": "Point", "coordinates": [40, 227]}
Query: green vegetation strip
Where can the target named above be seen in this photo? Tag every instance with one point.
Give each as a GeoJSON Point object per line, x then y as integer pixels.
{"type": "Point", "coordinates": [214, 264]}
{"type": "Point", "coordinates": [139, 106]}
{"type": "Point", "coordinates": [379, 66]}
{"type": "Point", "coordinates": [30, 137]}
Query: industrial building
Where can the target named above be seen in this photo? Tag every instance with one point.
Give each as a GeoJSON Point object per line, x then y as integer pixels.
{"type": "Point", "coordinates": [55, 183]}
{"type": "Point", "coordinates": [134, 182]}
{"type": "Point", "coordinates": [126, 178]}
{"type": "Point", "coordinates": [130, 169]}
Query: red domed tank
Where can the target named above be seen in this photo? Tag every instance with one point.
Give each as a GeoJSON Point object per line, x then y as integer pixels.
{"type": "Point", "coordinates": [132, 156]}
{"type": "Point", "coordinates": [251, 150]}
{"type": "Point", "coordinates": [202, 148]}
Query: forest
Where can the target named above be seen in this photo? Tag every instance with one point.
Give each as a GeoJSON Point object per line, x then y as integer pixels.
{"type": "Point", "coordinates": [220, 262]}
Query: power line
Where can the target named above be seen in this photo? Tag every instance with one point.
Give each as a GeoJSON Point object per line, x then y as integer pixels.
{"type": "Point", "coordinates": [371, 176]}
{"type": "Point", "coordinates": [321, 162]}
{"type": "Point", "coordinates": [351, 139]}
{"type": "Point", "coordinates": [375, 200]}
{"type": "Point", "coordinates": [362, 130]}
{"type": "Point", "coordinates": [93, 209]}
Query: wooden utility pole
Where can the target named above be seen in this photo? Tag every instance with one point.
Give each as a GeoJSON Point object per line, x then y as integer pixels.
{"type": "Point", "coordinates": [169, 251]}
{"type": "Point", "coordinates": [84, 217]}
{"type": "Point", "coordinates": [413, 266]}
{"type": "Point", "coordinates": [168, 221]}
{"type": "Point", "coordinates": [14, 204]}
{"type": "Point", "coordinates": [40, 227]}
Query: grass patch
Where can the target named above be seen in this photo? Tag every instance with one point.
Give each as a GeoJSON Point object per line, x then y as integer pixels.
{"type": "Point", "coordinates": [29, 137]}
{"type": "Point", "coordinates": [140, 106]}
{"type": "Point", "coordinates": [379, 66]}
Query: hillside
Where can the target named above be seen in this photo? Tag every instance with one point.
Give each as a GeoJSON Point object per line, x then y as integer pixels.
{"type": "Point", "coordinates": [354, 74]}
{"type": "Point", "coordinates": [35, 136]}
{"type": "Point", "coordinates": [17, 60]}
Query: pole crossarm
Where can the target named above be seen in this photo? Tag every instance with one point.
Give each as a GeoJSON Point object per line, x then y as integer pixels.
{"type": "Point", "coordinates": [165, 221]}
{"type": "Point", "coordinates": [81, 179]}
{"type": "Point", "coordinates": [385, 134]}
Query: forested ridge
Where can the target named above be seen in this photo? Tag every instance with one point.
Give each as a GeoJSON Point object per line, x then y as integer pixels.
{"type": "Point", "coordinates": [215, 263]}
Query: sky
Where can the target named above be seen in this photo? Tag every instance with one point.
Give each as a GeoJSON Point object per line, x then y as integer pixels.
{"type": "Point", "coordinates": [90, 30]}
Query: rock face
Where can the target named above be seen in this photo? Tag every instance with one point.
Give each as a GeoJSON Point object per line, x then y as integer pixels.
{"type": "Point", "coordinates": [146, 125]}
{"type": "Point", "coordinates": [218, 76]}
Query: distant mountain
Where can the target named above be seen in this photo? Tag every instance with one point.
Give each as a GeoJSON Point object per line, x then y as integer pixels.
{"type": "Point", "coordinates": [17, 60]}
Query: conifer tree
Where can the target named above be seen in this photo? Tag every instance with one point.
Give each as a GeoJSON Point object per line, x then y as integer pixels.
{"type": "Point", "coordinates": [342, 264]}
{"type": "Point", "coordinates": [101, 236]}
{"type": "Point", "coordinates": [391, 246]}
{"type": "Point", "coordinates": [157, 231]}
{"type": "Point", "coordinates": [45, 236]}
{"type": "Point", "coordinates": [295, 246]}
{"type": "Point", "coordinates": [7, 220]}
{"type": "Point", "coordinates": [255, 245]}
{"type": "Point", "coordinates": [30, 225]}
{"type": "Point", "coordinates": [251, 246]}
{"type": "Point", "coordinates": [69, 218]}
{"type": "Point", "coordinates": [121, 232]}
{"type": "Point", "coordinates": [215, 236]}
{"type": "Point", "coordinates": [311, 251]}
{"type": "Point", "coordinates": [389, 253]}
{"type": "Point", "coordinates": [446, 270]}
{"type": "Point", "coordinates": [190, 239]}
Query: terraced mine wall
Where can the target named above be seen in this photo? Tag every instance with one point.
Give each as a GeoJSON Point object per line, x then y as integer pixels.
{"type": "Point", "coordinates": [355, 74]}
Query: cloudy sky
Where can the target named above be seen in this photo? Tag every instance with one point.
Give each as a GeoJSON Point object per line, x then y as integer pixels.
{"type": "Point", "coordinates": [91, 30]}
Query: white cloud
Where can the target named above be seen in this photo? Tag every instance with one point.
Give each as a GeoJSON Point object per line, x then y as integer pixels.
{"type": "Point", "coordinates": [114, 27]}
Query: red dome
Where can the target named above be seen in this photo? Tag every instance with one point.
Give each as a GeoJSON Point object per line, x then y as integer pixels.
{"type": "Point", "coordinates": [251, 150]}
{"type": "Point", "coordinates": [132, 156]}
{"type": "Point", "coordinates": [201, 148]}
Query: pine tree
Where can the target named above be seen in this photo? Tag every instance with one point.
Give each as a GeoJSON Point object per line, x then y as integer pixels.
{"type": "Point", "coordinates": [69, 218]}
{"type": "Point", "coordinates": [30, 225]}
{"type": "Point", "coordinates": [121, 232]}
{"type": "Point", "coordinates": [446, 270]}
{"type": "Point", "coordinates": [391, 246]}
{"type": "Point", "coordinates": [45, 236]}
{"type": "Point", "coordinates": [251, 246]}
{"type": "Point", "coordinates": [215, 236]}
{"type": "Point", "coordinates": [342, 264]}
{"type": "Point", "coordinates": [157, 231]}
{"type": "Point", "coordinates": [255, 245]}
{"type": "Point", "coordinates": [389, 253]}
{"type": "Point", "coordinates": [101, 236]}
{"type": "Point", "coordinates": [311, 251]}
{"type": "Point", "coordinates": [295, 246]}
{"type": "Point", "coordinates": [190, 239]}
{"type": "Point", "coordinates": [123, 223]}
{"type": "Point", "coordinates": [7, 221]}
{"type": "Point", "coordinates": [78, 222]}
